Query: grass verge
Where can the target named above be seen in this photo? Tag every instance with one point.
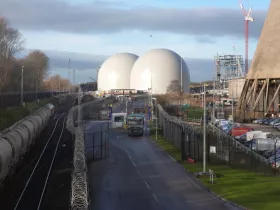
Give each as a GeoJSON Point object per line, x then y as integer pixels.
{"type": "Point", "coordinates": [13, 114]}
{"type": "Point", "coordinates": [245, 188]}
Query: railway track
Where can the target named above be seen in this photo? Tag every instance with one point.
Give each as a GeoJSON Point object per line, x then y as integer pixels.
{"type": "Point", "coordinates": [31, 195]}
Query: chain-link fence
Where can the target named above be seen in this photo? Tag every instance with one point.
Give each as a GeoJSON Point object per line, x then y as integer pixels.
{"type": "Point", "coordinates": [220, 147]}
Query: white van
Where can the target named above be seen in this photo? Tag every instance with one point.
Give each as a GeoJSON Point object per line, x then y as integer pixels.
{"type": "Point", "coordinates": [118, 120]}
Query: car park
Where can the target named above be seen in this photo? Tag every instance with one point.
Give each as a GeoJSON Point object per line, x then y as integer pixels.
{"type": "Point", "coordinates": [259, 136]}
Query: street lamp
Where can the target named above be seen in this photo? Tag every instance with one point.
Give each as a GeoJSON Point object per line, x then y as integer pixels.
{"type": "Point", "coordinates": [151, 94]}
{"type": "Point", "coordinates": [21, 90]}
{"type": "Point", "coordinates": [204, 130]}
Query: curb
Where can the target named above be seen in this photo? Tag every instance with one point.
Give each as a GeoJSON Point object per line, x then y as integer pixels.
{"type": "Point", "coordinates": [227, 201]}
{"type": "Point", "coordinates": [221, 198]}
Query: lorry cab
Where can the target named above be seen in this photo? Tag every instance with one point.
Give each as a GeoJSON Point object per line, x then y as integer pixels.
{"type": "Point", "coordinates": [135, 124]}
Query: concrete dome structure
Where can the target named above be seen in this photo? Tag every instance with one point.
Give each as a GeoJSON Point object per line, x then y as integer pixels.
{"type": "Point", "coordinates": [115, 72]}
{"type": "Point", "coordinates": [165, 66]}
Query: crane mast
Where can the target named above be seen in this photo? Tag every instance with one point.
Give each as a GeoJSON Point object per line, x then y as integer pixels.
{"type": "Point", "coordinates": [248, 19]}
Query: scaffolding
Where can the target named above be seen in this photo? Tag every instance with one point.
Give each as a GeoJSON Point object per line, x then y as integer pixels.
{"type": "Point", "coordinates": [228, 67]}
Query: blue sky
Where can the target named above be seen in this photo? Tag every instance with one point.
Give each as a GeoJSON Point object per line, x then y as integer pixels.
{"type": "Point", "coordinates": [195, 29]}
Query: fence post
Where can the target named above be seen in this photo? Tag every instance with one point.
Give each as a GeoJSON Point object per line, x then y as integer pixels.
{"type": "Point", "coordinates": [93, 146]}
{"type": "Point", "coordinates": [101, 145]}
{"type": "Point", "coordinates": [183, 152]}
{"type": "Point", "coordinates": [229, 148]}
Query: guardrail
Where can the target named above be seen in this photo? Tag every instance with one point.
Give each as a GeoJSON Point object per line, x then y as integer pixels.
{"type": "Point", "coordinates": [221, 148]}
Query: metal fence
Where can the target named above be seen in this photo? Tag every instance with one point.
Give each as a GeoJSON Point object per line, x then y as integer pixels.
{"type": "Point", "coordinates": [97, 137]}
{"type": "Point", "coordinates": [79, 186]}
{"type": "Point", "coordinates": [220, 147]}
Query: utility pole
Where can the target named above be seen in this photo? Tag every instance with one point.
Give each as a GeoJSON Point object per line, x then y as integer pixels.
{"type": "Point", "coordinates": [214, 102]}
{"type": "Point", "coordinates": [204, 131]}
{"type": "Point", "coordinates": [21, 90]}
{"type": "Point", "coordinates": [79, 106]}
{"type": "Point", "coordinates": [69, 76]}
{"type": "Point", "coordinates": [151, 94]}
{"type": "Point", "coordinates": [74, 77]}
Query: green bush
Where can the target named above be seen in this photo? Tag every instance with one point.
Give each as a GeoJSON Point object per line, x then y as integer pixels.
{"type": "Point", "coordinates": [13, 114]}
{"type": "Point", "coordinates": [194, 112]}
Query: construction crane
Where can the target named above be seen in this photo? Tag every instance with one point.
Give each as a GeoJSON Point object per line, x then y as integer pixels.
{"type": "Point", "coordinates": [248, 19]}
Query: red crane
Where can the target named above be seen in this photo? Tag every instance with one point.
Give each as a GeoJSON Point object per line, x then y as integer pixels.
{"type": "Point", "coordinates": [248, 19]}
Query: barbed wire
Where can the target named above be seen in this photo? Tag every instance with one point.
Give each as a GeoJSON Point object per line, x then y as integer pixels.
{"type": "Point", "coordinates": [79, 183]}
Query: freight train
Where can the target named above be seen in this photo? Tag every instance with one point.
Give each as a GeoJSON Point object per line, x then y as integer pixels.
{"type": "Point", "coordinates": [16, 140]}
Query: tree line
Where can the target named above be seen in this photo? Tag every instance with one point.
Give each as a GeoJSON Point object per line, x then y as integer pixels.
{"type": "Point", "coordinates": [33, 68]}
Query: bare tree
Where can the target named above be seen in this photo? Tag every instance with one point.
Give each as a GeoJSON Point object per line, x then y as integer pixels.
{"type": "Point", "coordinates": [10, 43]}
{"type": "Point", "coordinates": [174, 88]}
{"type": "Point", "coordinates": [57, 83]}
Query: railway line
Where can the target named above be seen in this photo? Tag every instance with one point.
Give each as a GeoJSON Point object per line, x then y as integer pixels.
{"type": "Point", "coordinates": [27, 189]}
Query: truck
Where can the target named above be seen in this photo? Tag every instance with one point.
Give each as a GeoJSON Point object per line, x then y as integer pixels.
{"type": "Point", "coordinates": [135, 125]}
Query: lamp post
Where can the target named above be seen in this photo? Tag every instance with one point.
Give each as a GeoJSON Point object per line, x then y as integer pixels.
{"type": "Point", "coordinates": [21, 90]}
{"type": "Point", "coordinates": [204, 131]}
{"type": "Point", "coordinates": [151, 94]}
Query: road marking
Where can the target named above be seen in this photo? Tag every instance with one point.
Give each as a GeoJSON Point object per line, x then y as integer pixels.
{"type": "Point", "coordinates": [134, 164]}
{"type": "Point", "coordinates": [147, 184]}
{"type": "Point", "coordinates": [155, 197]}
{"type": "Point", "coordinates": [129, 157]}
{"type": "Point", "coordinates": [139, 173]}
{"type": "Point", "coordinates": [126, 150]}
{"type": "Point", "coordinates": [171, 157]}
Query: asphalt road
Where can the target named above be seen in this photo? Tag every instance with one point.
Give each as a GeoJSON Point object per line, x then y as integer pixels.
{"type": "Point", "coordinates": [137, 175]}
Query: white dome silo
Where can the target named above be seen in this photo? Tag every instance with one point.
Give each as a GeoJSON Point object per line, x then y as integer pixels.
{"type": "Point", "coordinates": [165, 66]}
{"type": "Point", "coordinates": [115, 72]}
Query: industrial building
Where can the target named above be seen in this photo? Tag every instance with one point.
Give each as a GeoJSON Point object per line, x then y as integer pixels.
{"type": "Point", "coordinates": [156, 69]}
{"type": "Point", "coordinates": [115, 72]}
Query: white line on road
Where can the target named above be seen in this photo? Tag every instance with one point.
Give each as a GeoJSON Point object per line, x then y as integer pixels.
{"type": "Point", "coordinates": [134, 164]}
{"type": "Point", "coordinates": [155, 197]}
{"type": "Point", "coordinates": [171, 157]}
{"type": "Point", "coordinates": [139, 173]}
{"type": "Point", "coordinates": [129, 157]}
{"type": "Point", "coordinates": [126, 150]}
{"type": "Point", "coordinates": [147, 184]}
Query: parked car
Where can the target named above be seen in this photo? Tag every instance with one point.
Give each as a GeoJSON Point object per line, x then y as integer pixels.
{"type": "Point", "coordinates": [276, 120]}
{"type": "Point", "coordinates": [267, 121]}
{"type": "Point", "coordinates": [239, 130]}
{"type": "Point", "coordinates": [258, 120]}
{"type": "Point", "coordinates": [277, 164]}
{"type": "Point", "coordinates": [262, 120]}
{"type": "Point", "coordinates": [242, 139]}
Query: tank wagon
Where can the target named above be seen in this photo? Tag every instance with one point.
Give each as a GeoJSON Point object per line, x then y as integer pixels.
{"type": "Point", "coordinates": [16, 140]}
